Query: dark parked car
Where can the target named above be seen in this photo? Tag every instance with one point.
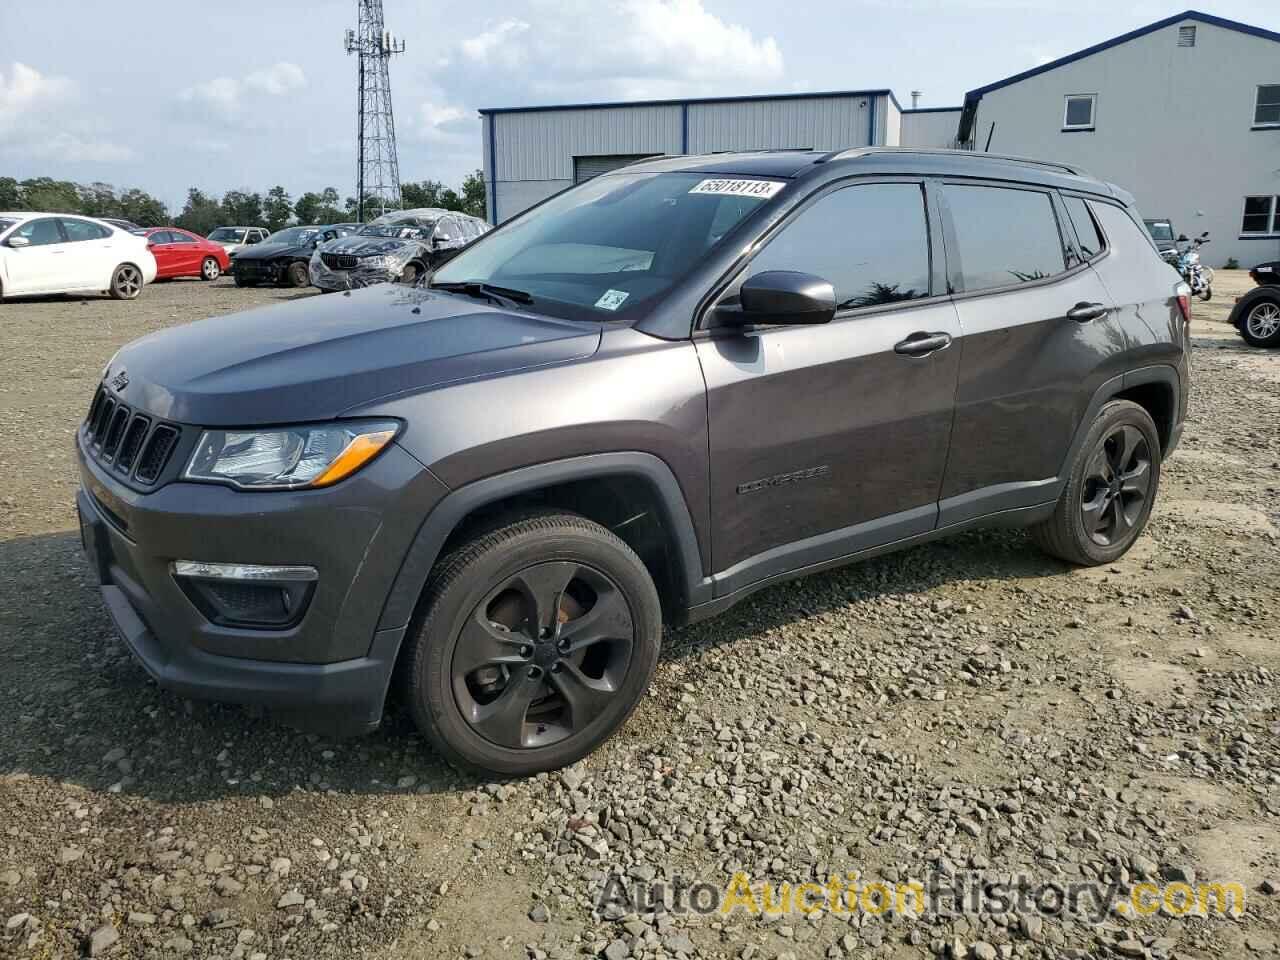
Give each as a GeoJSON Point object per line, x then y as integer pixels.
{"type": "Point", "coordinates": [638, 402]}
{"type": "Point", "coordinates": [1163, 234]}
{"type": "Point", "coordinates": [283, 257]}
{"type": "Point", "coordinates": [123, 224]}
{"type": "Point", "coordinates": [403, 247]}
{"type": "Point", "coordinates": [1257, 314]}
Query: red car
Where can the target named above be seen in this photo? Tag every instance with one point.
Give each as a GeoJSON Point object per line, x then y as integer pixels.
{"type": "Point", "coordinates": [182, 254]}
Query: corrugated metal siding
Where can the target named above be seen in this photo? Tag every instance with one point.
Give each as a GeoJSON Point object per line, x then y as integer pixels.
{"type": "Point", "coordinates": [932, 129]}
{"type": "Point", "coordinates": [827, 123]}
{"type": "Point", "coordinates": [541, 146]}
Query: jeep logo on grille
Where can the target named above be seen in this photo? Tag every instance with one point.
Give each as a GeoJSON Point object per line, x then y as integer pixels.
{"type": "Point", "coordinates": [120, 381]}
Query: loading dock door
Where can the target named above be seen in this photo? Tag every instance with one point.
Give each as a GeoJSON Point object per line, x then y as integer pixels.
{"type": "Point", "coordinates": [584, 168]}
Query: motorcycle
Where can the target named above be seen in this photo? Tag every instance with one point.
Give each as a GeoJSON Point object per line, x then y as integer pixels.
{"type": "Point", "coordinates": [1186, 260]}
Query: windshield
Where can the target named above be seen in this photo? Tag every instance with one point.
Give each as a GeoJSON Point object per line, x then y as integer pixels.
{"type": "Point", "coordinates": [227, 235]}
{"type": "Point", "coordinates": [397, 231]}
{"type": "Point", "coordinates": [1161, 230]}
{"type": "Point", "coordinates": [612, 243]}
{"type": "Point", "coordinates": [294, 235]}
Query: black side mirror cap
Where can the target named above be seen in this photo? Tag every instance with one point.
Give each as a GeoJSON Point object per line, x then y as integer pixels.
{"type": "Point", "coordinates": [783, 297]}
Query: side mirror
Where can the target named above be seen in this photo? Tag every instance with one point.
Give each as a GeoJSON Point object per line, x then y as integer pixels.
{"type": "Point", "coordinates": [19, 242]}
{"type": "Point", "coordinates": [787, 297]}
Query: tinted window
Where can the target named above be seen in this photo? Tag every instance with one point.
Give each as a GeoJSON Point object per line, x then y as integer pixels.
{"type": "Point", "coordinates": [160, 237]}
{"type": "Point", "coordinates": [1005, 236]}
{"type": "Point", "coordinates": [871, 242]}
{"type": "Point", "coordinates": [78, 230]}
{"type": "Point", "coordinates": [1079, 112]}
{"type": "Point", "coordinates": [40, 232]}
{"type": "Point", "coordinates": [1090, 241]}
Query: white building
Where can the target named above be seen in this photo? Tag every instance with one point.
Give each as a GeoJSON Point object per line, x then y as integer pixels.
{"type": "Point", "coordinates": [1183, 113]}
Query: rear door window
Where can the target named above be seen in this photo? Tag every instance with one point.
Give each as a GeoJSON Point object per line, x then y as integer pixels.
{"type": "Point", "coordinates": [1087, 235]}
{"type": "Point", "coordinates": [1006, 236]}
{"type": "Point", "coordinates": [871, 241]}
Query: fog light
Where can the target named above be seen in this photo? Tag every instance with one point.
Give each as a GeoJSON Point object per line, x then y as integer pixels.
{"type": "Point", "coordinates": [247, 595]}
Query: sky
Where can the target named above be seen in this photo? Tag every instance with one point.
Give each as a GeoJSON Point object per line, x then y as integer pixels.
{"type": "Point", "coordinates": [246, 94]}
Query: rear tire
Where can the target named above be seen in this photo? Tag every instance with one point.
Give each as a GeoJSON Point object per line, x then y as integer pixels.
{"type": "Point", "coordinates": [497, 675]}
{"type": "Point", "coordinates": [210, 269]}
{"type": "Point", "coordinates": [126, 282]}
{"type": "Point", "coordinates": [297, 275]}
{"type": "Point", "coordinates": [1110, 491]}
{"type": "Point", "coordinates": [1206, 294]}
{"type": "Point", "coordinates": [1259, 322]}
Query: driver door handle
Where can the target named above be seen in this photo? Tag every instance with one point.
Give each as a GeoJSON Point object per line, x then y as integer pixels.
{"type": "Point", "coordinates": [922, 344]}
{"type": "Point", "coordinates": [1084, 312]}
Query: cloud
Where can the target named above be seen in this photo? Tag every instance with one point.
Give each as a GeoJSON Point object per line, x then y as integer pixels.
{"type": "Point", "coordinates": [224, 94]}
{"type": "Point", "coordinates": [444, 123]}
{"type": "Point", "coordinates": [72, 148]}
{"type": "Point", "coordinates": [616, 49]}
{"type": "Point", "coordinates": [25, 90]}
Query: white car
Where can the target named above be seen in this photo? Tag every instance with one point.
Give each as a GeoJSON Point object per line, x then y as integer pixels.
{"type": "Point", "coordinates": [233, 238]}
{"type": "Point", "coordinates": [61, 253]}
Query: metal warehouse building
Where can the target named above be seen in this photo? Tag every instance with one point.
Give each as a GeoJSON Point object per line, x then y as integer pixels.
{"type": "Point", "coordinates": [531, 153]}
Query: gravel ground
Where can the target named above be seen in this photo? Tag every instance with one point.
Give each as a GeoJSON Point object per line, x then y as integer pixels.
{"type": "Point", "coordinates": [968, 706]}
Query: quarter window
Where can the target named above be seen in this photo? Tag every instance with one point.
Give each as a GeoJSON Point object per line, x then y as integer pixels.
{"type": "Point", "coordinates": [870, 241]}
{"type": "Point", "coordinates": [1087, 236]}
{"type": "Point", "coordinates": [1005, 236]}
{"type": "Point", "coordinates": [1261, 215]}
{"type": "Point", "coordinates": [1266, 109]}
{"type": "Point", "coordinates": [1078, 112]}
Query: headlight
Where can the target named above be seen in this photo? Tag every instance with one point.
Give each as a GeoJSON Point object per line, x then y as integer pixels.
{"type": "Point", "coordinates": [374, 263]}
{"type": "Point", "coordinates": [288, 458]}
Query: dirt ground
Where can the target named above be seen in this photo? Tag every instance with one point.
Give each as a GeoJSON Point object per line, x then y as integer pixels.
{"type": "Point", "coordinates": [964, 706]}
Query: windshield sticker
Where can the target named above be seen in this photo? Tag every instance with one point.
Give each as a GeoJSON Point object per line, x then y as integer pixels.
{"type": "Point", "coordinates": [612, 299]}
{"type": "Point", "coordinates": [762, 189]}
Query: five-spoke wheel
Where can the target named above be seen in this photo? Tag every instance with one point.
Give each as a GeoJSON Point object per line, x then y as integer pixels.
{"type": "Point", "coordinates": [1116, 485]}
{"type": "Point", "coordinates": [126, 282]}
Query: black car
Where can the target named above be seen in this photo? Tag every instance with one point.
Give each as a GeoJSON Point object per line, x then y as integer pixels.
{"type": "Point", "coordinates": [283, 256]}
{"type": "Point", "coordinates": [1257, 314]}
{"type": "Point", "coordinates": [1162, 233]}
{"type": "Point", "coordinates": [403, 246]}
{"type": "Point", "coordinates": [122, 224]}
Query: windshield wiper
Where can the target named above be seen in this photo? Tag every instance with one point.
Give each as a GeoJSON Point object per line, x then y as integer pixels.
{"type": "Point", "coordinates": [475, 288]}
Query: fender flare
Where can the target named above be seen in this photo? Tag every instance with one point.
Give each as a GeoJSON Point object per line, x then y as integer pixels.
{"type": "Point", "coordinates": [457, 504]}
{"type": "Point", "coordinates": [1159, 373]}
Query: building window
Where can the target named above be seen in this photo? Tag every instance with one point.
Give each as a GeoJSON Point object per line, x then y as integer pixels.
{"type": "Point", "coordinates": [1187, 36]}
{"type": "Point", "coordinates": [1078, 113]}
{"type": "Point", "coordinates": [1266, 109]}
{"type": "Point", "coordinates": [1261, 216]}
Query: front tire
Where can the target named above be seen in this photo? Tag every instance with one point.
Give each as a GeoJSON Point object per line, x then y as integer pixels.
{"type": "Point", "coordinates": [297, 275]}
{"type": "Point", "coordinates": [209, 269]}
{"type": "Point", "coordinates": [1110, 491]}
{"type": "Point", "coordinates": [243, 282]}
{"type": "Point", "coordinates": [538, 640]}
{"type": "Point", "coordinates": [1260, 325]}
{"type": "Point", "coordinates": [126, 282]}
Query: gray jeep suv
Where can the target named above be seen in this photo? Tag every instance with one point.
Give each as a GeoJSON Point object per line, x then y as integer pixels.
{"type": "Point", "coordinates": [635, 403]}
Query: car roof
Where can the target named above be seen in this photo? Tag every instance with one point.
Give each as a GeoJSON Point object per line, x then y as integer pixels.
{"type": "Point", "coordinates": [794, 164]}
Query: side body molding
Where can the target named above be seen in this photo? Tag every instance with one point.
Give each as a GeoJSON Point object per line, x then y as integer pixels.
{"type": "Point", "coordinates": [450, 511]}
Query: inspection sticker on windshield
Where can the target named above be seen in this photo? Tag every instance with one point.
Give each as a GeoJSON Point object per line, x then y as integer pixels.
{"type": "Point", "coordinates": [763, 189]}
{"type": "Point", "coordinates": [612, 299]}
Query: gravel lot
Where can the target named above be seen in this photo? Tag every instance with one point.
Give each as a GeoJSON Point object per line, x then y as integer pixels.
{"type": "Point", "coordinates": [965, 706]}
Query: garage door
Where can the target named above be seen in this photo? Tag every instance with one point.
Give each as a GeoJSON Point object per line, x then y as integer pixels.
{"type": "Point", "coordinates": [584, 168]}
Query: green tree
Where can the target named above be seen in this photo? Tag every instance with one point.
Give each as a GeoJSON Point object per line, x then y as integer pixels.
{"type": "Point", "coordinates": [242, 209]}
{"type": "Point", "coordinates": [423, 194]}
{"type": "Point", "coordinates": [474, 195]}
{"type": "Point", "coordinates": [54, 196]}
{"type": "Point", "coordinates": [330, 211]}
{"type": "Point", "coordinates": [99, 200]}
{"type": "Point", "coordinates": [307, 209]}
{"type": "Point", "coordinates": [10, 194]}
{"type": "Point", "coordinates": [278, 208]}
{"type": "Point", "coordinates": [142, 208]}
{"type": "Point", "coordinates": [201, 214]}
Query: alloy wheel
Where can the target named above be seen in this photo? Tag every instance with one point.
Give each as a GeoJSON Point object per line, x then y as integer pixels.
{"type": "Point", "coordinates": [128, 282]}
{"type": "Point", "coordinates": [211, 269]}
{"type": "Point", "coordinates": [543, 654]}
{"type": "Point", "coordinates": [1264, 320]}
{"type": "Point", "coordinates": [1116, 486]}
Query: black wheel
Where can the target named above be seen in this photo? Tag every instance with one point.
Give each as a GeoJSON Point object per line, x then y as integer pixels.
{"type": "Point", "coordinates": [1260, 322]}
{"type": "Point", "coordinates": [411, 273]}
{"type": "Point", "coordinates": [1206, 294]}
{"type": "Point", "coordinates": [538, 640]}
{"type": "Point", "coordinates": [209, 269]}
{"type": "Point", "coordinates": [297, 275]}
{"type": "Point", "coordinates": [126, 282]}
{"type": "Point", "coordinates": [244, 281]}
{"type": "Point", "coordinates": [1110, 491]}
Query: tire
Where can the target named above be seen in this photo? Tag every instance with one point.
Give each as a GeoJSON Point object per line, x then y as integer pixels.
{"type": "Point", "coordinates": [244, 282]}
{"type": "Point", "coordinates": [126, 282]}
{"type": "Point", "coordinates": [473, 697]}
{"type": "Point", "coordinates": [209, 269]}
{"type": "Point", "coordinates": [1259, 321]}
{"type": "Point", "coordinates": [411, 272]}
{"type": "Point", "coordinates": [1206, 294]}
{"type": "Point", "coordinates": [1110, 491]}
{"type": "Point", "coordinates": [297, 275]}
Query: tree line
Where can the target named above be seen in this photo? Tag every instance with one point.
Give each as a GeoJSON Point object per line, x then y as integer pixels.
{"type": "Point", "coordinates": [203, 212]}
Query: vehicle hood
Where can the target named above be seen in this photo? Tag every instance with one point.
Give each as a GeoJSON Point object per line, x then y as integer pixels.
{"type": "Point", "coordinates": [269, 251]}
{"type": "Point", "coordinates": [358, 246]}
{"type": "Point", "coordinates": [318, 358]}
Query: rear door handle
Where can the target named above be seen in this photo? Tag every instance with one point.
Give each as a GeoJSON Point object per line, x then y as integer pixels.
{"type": "Point", "coordinates": [922, 344]}
{"type": "Point", "coordinates": [1084, 312]}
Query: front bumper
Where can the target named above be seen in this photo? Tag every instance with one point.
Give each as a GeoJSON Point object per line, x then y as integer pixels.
{"type": "Point", "coordinates": [330, 671]}
{"type": "Point", "coordinates": [332, 278]}
{"type": "Point", "coordinates": [259, 271]}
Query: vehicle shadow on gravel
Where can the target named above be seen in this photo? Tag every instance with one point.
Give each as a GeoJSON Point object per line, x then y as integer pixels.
{"type": "Point", "coordinates": [77, 708]}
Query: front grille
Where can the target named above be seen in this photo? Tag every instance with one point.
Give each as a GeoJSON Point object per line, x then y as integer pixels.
{"type": "Point", "coordinates": [134, 444]}
{"type": "Point", "coordinates": [340, 261]}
